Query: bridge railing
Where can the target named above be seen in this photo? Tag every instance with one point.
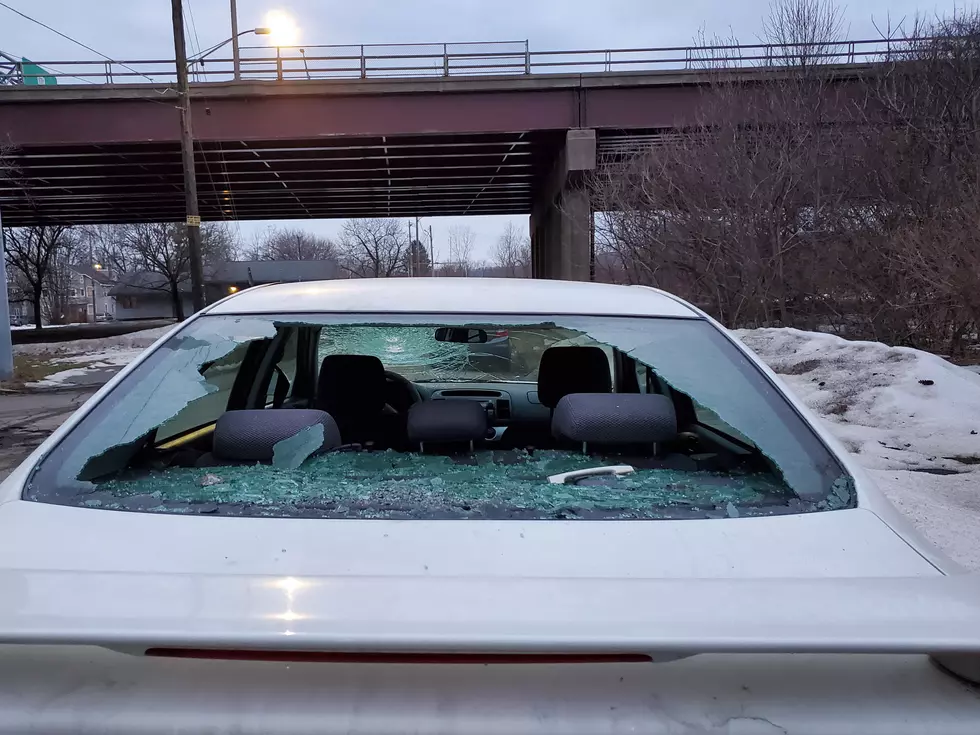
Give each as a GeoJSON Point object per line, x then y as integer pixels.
{"type": "Point", "coordinates": [498, 58]}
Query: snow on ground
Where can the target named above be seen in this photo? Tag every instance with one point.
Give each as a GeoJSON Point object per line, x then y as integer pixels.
{"type": "Point", "coordinates": [82, 347]}
{"type": "Point", "coordinates": [50, 326]}
{"type": "Point", "coordinates": [895, 407]}
{"type": "Point", "coordinates": [907, 416]}
{"type": "Point", "coordinates": [89, 357]}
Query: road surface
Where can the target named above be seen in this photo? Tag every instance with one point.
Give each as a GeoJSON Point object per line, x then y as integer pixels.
{"type": "Point", "coordinates": [27, 418]}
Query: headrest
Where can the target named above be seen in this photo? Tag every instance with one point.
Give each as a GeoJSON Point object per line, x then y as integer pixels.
{"type": "Point", "coordinates": [565, 370]}
{"type": "Point", "coordinates": [250, 436]}
{"type": "Point", "coordinates": [351, 384]}
{"type": "Point", "coordinates": [447, 421]}
{"type": "Point", "coordinates": [615, 418]}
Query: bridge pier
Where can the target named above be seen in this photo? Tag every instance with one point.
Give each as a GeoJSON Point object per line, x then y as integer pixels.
{"type": "Point", "coordinates": [561, 219]}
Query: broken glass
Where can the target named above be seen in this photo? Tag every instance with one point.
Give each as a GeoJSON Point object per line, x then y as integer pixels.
{"type": "Point", "coordinates": [482, 485]}
{"type": "Point", "coordinates": [172, 382]}
{"type": "Point", "coordinates": [185, 385]}
{"type": "Point", "coordinates": [290, 453]}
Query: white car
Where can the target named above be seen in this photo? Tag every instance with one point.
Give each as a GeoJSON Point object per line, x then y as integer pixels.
{"type": "Point", "coordinates": [307, 509]}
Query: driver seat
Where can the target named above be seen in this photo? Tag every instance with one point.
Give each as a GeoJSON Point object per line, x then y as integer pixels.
{"type": "Point", "coordinates": [351, 388]}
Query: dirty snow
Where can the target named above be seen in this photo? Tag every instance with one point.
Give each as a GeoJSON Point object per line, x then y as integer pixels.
{"type": "Point", "coordinates": [81, 347]}
{"type": "Point", "coordinates": [906, 415]}
{"type": "Point", "coordinates": [49, 326]}
{"type": "Point", "coordinates": [87, 356]}
{"type": "Point", "coordinates": [895, 407]}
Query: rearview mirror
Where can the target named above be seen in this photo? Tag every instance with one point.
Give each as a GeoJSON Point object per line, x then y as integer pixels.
{"type": "Point", "coordinates": [461, 335]}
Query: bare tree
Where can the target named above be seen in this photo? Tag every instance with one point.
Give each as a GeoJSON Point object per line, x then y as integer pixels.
{"type": "Point", "coordinates": [161, 249]}
{"type": "Point", "coordinates": [512, 253]}
{"type": "Point", "coordinates": [462, 240]}
{"type": "Point", "coordinates": [218, 244]}
{"type": "Point", "coordinates": [31, 252]}
{"type": "Point", "coordinates": [807, 30]}
{"type": "Point", "coordinates": [61, 280]}
{"type": "Point", "coordinates": [733, 212]}
{"type": "Point", "coordinates": [373, 248]}
{"type": "Point", "coordinates": [107, 246]}
{"type": "Point", "coordinates": [291, 244]}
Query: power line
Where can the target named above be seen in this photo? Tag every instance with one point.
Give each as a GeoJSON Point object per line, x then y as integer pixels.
{"type": "Point", "coordinates": [73, 40]}
{"type": "Point", "coordinates": [196, 44]}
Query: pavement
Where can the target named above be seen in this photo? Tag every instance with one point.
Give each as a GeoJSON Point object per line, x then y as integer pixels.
{"type": "Point", "coordinates": [26, 419]}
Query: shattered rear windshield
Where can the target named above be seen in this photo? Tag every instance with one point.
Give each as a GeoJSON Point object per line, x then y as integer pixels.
{"type": "Point", "coordinates": [159, 443]}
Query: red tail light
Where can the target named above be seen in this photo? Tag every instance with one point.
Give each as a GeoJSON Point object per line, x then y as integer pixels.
{"type": "Point", "coordinates": [501, 333]}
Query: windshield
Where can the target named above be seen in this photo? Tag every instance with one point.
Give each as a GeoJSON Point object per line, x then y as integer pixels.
{"type": "Point", "coordinates": [561, 418]}
{"type": "Point", "coordinates": [507, 355]}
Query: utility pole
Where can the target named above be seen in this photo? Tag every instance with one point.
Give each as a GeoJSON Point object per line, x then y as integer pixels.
{"type": "Point", "coordinates": [187, 159]}
{"type": "Point", "coordinates": [432, 255]}
{"type": "Point", "coordinates": [410, 274]}
{"type": "Point", "coordinates": [418, 239]}
{"type": "Point", "coordinates": [237, 61]}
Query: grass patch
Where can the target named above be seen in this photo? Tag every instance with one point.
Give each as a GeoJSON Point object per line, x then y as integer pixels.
{"type": "Point", "coordinates": [34, 368]}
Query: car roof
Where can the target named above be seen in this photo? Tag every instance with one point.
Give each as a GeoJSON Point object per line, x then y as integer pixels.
{"type": "Point", "coordinates": [455, 296]}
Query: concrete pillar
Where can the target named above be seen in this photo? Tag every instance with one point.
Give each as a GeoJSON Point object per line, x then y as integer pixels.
{"type": "Point", "coordinates": [561, 219]}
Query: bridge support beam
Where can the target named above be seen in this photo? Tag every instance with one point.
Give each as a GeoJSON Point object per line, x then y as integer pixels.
{"type": "Point", "coordinates": [561, 219]}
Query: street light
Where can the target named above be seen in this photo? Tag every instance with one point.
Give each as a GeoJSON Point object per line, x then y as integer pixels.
{"type": "Point", "coordinates": [283, 28]}
{"type": "Point", "coordinates": [259, 31]}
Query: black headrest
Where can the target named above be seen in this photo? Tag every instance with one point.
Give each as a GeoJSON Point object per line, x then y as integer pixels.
{"type": "Point", "coordinates": [615, 418]}
{"type": "Point", "coordinates": [447, 421]}
{"type": "Point", "coordinates": [251, 436]}
{"type": "Point", "coordinates": [565, 370]}
{"type": "Point", "coordinates": [351, 384]}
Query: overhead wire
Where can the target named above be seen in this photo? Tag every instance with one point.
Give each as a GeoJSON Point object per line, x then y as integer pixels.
{"type": "Point", "coordinates": [73, 40]}
{"type": "Point", "coordinates": [194, 42]}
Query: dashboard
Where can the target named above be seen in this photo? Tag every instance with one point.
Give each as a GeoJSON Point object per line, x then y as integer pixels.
{"type": "Point", "coordinates": [505, 403]}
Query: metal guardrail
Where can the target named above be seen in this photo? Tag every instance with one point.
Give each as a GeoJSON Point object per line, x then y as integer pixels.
{"type": "Point", "coordinates": [497, 58]}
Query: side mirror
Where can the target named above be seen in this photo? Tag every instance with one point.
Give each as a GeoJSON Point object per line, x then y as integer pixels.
{"type": "Point", "coordinates": [461, 335]}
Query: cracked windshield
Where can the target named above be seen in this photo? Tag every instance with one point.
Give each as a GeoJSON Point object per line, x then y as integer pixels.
{"type": "Point", "coordinates": [570, 418]}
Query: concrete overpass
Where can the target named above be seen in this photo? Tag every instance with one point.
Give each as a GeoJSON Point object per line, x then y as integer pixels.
{"type": "Point", "coordinates": [285, 148]}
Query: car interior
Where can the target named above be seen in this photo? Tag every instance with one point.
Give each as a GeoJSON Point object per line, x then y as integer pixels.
{"type": "Point", "coordinates": [588, 399]}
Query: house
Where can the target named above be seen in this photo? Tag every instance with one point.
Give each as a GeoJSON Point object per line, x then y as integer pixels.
{"type": "Point", "coordinates": [88, 297]}
{"type": "Point", "coordinates": [147, 295]}
{"type": "Point", "coordinates": [240, 274]}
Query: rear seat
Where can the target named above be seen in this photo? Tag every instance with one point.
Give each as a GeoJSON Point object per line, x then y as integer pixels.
{"type": "Point", "coordinates": [250, 436]}
{"type": "Point", "coordinates": [447, 424]}
{"type": "Point", "coordinates": [617, 421]}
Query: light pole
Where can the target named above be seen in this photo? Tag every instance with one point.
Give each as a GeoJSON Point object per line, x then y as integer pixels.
{"type": "Point", "coordinates": [235, 55]}
{"type": "Point", "coordinates": [260, 31]}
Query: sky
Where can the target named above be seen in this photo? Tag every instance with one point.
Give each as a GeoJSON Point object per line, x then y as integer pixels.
{"type": "Point", "coordinates": [141, 29]}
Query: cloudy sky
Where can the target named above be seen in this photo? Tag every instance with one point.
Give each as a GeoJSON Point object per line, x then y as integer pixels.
{"type": "Point", "coordinates": [140, 29]}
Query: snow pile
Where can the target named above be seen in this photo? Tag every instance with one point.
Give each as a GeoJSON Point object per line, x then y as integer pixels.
{"type": "Point", "coordinates": [92, 361]}
{"type": "Point", "coordinates": [49, 326]}
{"type": "Point", "coordinates": [895, 407]}
{"type": "Point", "coordinates": [137, 341]}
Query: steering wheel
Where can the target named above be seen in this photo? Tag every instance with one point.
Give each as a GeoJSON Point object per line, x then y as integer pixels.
{"type": "Point", "coordinates": [408, 387]}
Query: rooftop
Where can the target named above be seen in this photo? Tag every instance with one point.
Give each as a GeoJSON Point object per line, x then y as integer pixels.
{"type": "Point", "coordinates": [454, 296]}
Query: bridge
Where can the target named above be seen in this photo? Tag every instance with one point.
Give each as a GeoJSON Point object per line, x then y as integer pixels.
{"type": "Point", "coordinates": [386, 132]}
